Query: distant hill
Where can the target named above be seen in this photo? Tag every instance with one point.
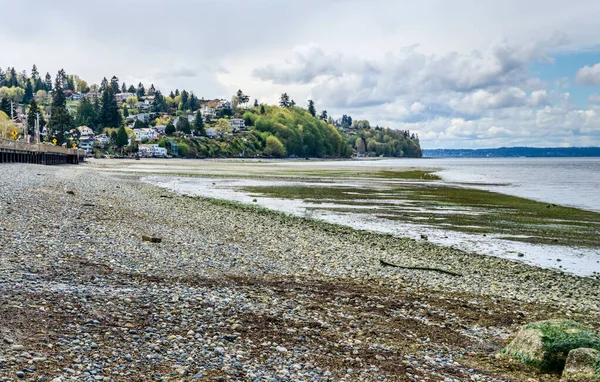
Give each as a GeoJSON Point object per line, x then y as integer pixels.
{"type": "Point", "coordinates": [514, 152]}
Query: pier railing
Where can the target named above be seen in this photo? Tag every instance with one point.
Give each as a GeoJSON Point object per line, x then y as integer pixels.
{"type": "Point", "coordinates": [38, 147]}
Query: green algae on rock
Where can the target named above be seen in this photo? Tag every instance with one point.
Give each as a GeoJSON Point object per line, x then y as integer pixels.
{"type": "Point", "coordinates": [545, 345]}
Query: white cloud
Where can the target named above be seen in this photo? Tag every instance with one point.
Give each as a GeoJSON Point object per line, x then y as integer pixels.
{"type": "Point", "coordinates": [588, 75]}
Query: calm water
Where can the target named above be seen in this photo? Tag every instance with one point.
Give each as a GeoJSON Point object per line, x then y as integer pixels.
{"type": "Point", "coordinates": [566, 181]}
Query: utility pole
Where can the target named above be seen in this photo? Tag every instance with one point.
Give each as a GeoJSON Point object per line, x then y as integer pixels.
{"type": "Point", "coordinates": [37, 129]}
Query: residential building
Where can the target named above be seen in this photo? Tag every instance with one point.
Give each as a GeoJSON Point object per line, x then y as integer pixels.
{"type": "Point", "coordinates": [102, 139]}
{"type": "Point", "coordinates": [208, 111]}
{"type": "Point", "coordinates": [145, 134]}
{"type": "Point", "coordinates": [153, 150]}
{"type": "Point", "coordinates": [237, 124]}
{"type": "Point", "coordinates": [85, 131]}
{"type": "Point", "coordinates": [122, 97]}
{"type": "Point", "coordinates": [86, 143]}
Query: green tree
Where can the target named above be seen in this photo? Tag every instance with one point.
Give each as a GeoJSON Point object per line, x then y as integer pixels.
{"type": "Point", "coordinates": [32, 115]}
{"type": "Point", "coordinates": [125, 112]}
{"type": "Point", "coordinates": [323, 116]}
{"type": "Point", "coordinates": [114, 81]}
{"type": "Point", "coordinates": [199, 124]}
{"type": "Point", "coordinates": [183, 104]}
{"type": "Point", "coordinates": [122, 139]}
{"type": "Point", "coordinates": [274, 147]}
{"type": "Point", "coordinates": [28, 96]}
{"type": "Point", "coordinates": [109, 112]}
{"type": "Point", "coordinates": [223, 127]}
{"type": "Point", "coordinates": [255, 103]}
{"type": "Point", "coordinates": [311, 108]}
{"type": "Point", "coordinates": [170, 129]}
{"type": "Point", "coordinates": [183, 125]}
{"type": "Point", "coordinates": [359, 144]}
{"type": "Point", "coordinates": [60, 120]}
{"type": "Point", "coordinates": [284, 100]}
{"type": "Point", "coordinates": [262, 109]}
{"type": "Point", "coordinates": [131, 89]}
{"type": "Point", "coordinates": [87, 115]}
{"type": "Point", "coordinates": [48, 82]}
{"type": "Point", "coordinates": [140, 90]}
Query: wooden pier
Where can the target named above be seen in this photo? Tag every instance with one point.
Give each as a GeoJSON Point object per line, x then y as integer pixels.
{"type": "Point", "coordinates": [22, 152]}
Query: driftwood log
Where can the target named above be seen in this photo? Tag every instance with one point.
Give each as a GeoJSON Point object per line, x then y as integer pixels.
{"type": "Point", "coordinates": [386, 264]}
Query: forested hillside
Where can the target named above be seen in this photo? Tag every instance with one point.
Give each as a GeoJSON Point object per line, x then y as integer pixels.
{"type": "Point", "coordinates": [116, 112]}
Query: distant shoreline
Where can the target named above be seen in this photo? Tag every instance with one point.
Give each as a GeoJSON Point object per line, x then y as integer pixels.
{"type": "Point", "coordinates": [515, 152]}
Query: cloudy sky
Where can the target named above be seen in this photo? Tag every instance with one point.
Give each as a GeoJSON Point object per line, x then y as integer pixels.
{"type": "Point", "coordinates": [460, 73]}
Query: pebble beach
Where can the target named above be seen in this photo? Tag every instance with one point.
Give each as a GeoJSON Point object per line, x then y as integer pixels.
{"type": "Point", "coordinates": [235, 292]}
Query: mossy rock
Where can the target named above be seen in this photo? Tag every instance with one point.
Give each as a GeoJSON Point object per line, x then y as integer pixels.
{"type": "Point", "coordinates": [583, 365]}
{"type": "Point", "coordinates": [545, 345]}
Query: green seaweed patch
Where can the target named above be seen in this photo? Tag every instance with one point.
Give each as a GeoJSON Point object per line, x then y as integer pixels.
{"type": "Point", "coordinates": [559, 338]}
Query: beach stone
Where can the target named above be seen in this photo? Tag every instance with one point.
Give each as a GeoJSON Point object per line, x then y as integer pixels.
{"type": "Point", "coordinates": [152, 239]}
{"type": "Point", "coordinates": [545, 345]}
{"type": "Point", "coordinates": [581, 366]}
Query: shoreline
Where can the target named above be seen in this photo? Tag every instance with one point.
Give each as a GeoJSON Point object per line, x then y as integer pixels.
{"type": "Point", "coordinates": [227, 274]}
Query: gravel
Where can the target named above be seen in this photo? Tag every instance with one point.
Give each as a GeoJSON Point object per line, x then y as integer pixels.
{"type": "Point", "coordinates": [237, 293]}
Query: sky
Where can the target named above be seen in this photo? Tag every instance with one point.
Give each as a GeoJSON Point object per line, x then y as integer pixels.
{"type": "Point", "coordinates": [460, 73]}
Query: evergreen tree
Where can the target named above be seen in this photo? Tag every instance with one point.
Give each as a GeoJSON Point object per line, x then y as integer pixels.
{"type": "Point", "coordinates": [125, 112]}
{"type": "Point", "coordinates": [87, 115]}
{"type": "Point", "coordinates": [323, 116]}
{"type": "Point", "coordinates": [292, 103]}
{"type": "Point", "coordinates": [184, 105]}
{"type": "Point", "coordinates": [193, 102]}
{"type": "Point", "coordinates": [12, 78]}
{"type": "Point", "coordinates": [28, 93]}
{"type": "Point", "coordinates": [48, 82]}
{"type": "Point", "coordinates": [262, 109]}
{"type": "Point", "coordinates": [183, 125]}
{"type": "Point", "coordinates": [2, 77]}
{"type": "Point", "coordinates": [5, 106]}
{"type": "Point", "coordinates": [152, 90]}
{"type": "Point", "coordinates": [176, 92]}
{"type": "Point", "coordinates": [34, 73]}
{"type": "Point", "coordinates": [114, 81]}
{"type": "Point", "coordinates": [131, 89]}
{"type": "Point", "coordinates": [123, 88]}
{"type": "Point", "coordinates": [255, 103]}
{"type": "Point", "coordinates": [171, 95]}
{"type": "Point", "coordinates": [159, 104]}
{"type": "Point", "coordinates": [170, 129]}
{"type": "Point", "coordinates": [109, 112]}
{"type": "Point", "coordinates": [32, 116]}
{"type": "Point", "coordinates": [140, 91]}
{"type": "Point", "coordinates": [199, 124]}
{"type": "Point", "coordinates": [60, 120]}
{"type": "Point", "coordinates": [284, 100]}
{"type": "Point", "coordinates": [103, 85]}
{"type": "Point", "coordinates": [311, 108]}
{"type": "Point", "coordinates": [122, 139]}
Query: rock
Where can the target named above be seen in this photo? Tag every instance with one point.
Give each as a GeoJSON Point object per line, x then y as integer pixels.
{"type": "Point", "coordinates": [545, 345]}
{"type": "Point", "coordinates": [424, 237]}
{"type": "Point", "coordinates": [281, 349]}
{"type": "Point", "coordinates": [71, 192]}
{"type": "Point", "coordinates": [581, 366]}
{"type": "Point", "coordinates": [20, 374]}
{"type": "Point", "coordinates": [152, 239]}
{"type": "Point", "coordinates": [18, 347]}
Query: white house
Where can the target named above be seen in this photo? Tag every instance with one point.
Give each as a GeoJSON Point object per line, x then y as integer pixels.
{"type": "Point", "coordinates": [103, 139]}
{"type": "Point", "coordinates": [153, 151]}
{"type": "Point", "coordinates": [85, 131]}
{"type": "Point", "coordinates": [145, 134]}
{"type": "Point", "coordinates": [237, 124]}
{"type": "Point", "coordinates": [208, 111]}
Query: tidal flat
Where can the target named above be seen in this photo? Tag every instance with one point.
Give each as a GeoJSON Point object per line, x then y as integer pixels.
{"type": "Point", "coordinates": [408, 202]}
{"type": "Point", "coordinates": [236, 291]}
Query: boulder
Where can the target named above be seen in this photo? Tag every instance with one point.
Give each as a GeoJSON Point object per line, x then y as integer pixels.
{"type": "Point", "coordinates": [545, 345]}
{"type": "Point", "coordinates": [152, 239]}
{"type": "Point", "coordinates": [583, 365]}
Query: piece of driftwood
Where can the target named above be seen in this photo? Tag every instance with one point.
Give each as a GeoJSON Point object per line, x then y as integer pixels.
{"type": "Point", "coordinates": [152, 239]}
{"type": "Point", "coordinates": [386, 264]}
